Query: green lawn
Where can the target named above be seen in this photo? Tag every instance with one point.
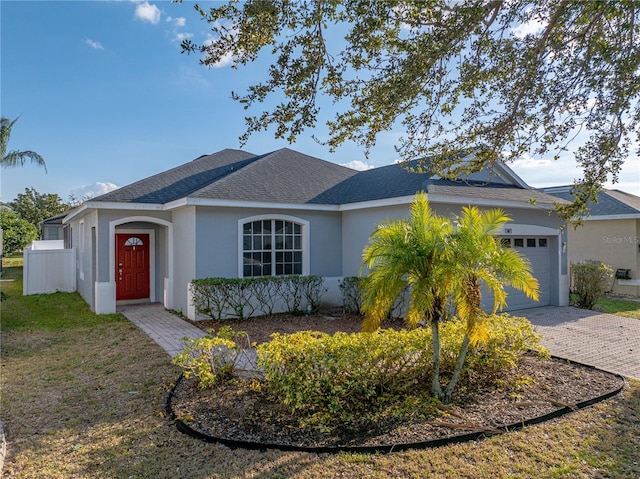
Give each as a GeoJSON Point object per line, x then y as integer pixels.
{"type": "Point", "coordinates": [83, 396]}
{"type": "Point", "coordinates": [621, 307]}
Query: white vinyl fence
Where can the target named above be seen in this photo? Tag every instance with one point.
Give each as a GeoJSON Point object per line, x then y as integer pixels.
{"type": "Point", "coordinates": [48, 270]}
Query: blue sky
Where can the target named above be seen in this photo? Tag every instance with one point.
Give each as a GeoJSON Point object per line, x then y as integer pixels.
{"type": "Point", "coordinates": [106, 97]}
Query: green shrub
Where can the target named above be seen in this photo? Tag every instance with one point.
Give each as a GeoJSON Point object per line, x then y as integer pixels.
{"type": "Point", "coordinates": [335, 376]}
{"type": "Point", "coordinates": [351, 290]}
{"type": "Point", "coordinates": [242, 297]}
{"type": "Point", "coordinates": [589, 282]}
{"type": "Point", "coordinates": [329, 380]}
{"type": "Point", "coordinates": [210, 359]}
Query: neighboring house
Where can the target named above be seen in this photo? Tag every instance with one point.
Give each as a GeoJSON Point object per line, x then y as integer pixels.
{"type": "Point", "coordinates": [52, 228]}
{"type": "Point", "coordinates": [610, 234]}
{"type": "Point", "coordinates": [235, 214]}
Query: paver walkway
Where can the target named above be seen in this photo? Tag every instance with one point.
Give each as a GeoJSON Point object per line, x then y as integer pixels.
{"type": "Point", "coordinates": [164, 327]}
{"type": "Point", "coordinates": [168, 329]}
{"type": "Point", "coordinates": [606, 341]}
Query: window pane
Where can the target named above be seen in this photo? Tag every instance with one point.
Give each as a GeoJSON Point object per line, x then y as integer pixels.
{"type": "Point", "coordinates": [257, 227]}
{"type": "Point", "coordinates": [246, 270]}
{"type": "Point", "coordinates": [542, 242]}
{"type": "Point", "coordinates": [288, 269]}
{"type": "Point", "coordinates": [279, 226]}
{"type": "Point", "coordinates": [266, 270]}
{"type": "Point", "coordinates": [246, 228]}
{"type": "Point", "coordinates": [288, 242]}
{"type": "Point", "coordinates": [266, 242]}
{"type": "Point", "coordinates": [505, 242]}
{"type": "Point", "coordinates": [266, 226]}
{"type": "Point", "coordinates": [518, 242]}
{"type": "Point", "coordinates": [257, 242]}
{"type": "Point", "coordinates": [279, 242]}
{"type": "Point", "coordinates": [279, 269]}
{"type": "Point", "coordinates": [531, 242]}
{"type": "Point", "coordinates": [297, 257]}
{"type": "Point", "coordinates": [297, 242]}
{"type": "Point", "coordinates": [297, 268]}
{"type": "Point", "coordinates": [297, 229]}
{"type": "Point", "coordinates": [246, 242]}
{"type": "Point", "coordinates": [266, 258]}
{"type": "Point", "coordinates": [279, 257]}
{"type": "Point", "coordinates": [288, 257]}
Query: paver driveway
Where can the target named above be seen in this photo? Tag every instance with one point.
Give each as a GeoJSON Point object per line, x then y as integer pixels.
{"type": "Point", "coordinates": [606, 341]}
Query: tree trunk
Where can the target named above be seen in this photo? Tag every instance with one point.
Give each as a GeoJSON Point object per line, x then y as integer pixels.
{"type": "Point", "coordinates": [435, 342]}
{"type": "Point", "coordinates": [458, 369]}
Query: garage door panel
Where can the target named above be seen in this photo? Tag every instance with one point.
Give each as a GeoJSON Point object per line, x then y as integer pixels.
{"type": "Point", "coordinates": [539, 255]}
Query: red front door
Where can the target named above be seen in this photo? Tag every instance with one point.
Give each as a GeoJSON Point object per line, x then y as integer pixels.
{"type": "Point", "coordinates": [132, 266]}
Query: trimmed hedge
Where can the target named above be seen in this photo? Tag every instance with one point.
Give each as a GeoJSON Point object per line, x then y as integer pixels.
{"type": "Point", "coordinates": [243, 297]}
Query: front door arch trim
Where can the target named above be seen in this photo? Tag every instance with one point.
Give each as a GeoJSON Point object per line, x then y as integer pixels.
{"type": "Point", "coordinates": [168, 300]}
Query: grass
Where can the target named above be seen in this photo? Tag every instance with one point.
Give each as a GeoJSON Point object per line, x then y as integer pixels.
{"type": "Point", "coordinates": [83, 396]}
{"type": "Point", "coordinates": [621, 307]}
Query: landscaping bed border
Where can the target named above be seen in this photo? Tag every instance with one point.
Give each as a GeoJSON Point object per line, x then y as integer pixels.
{"type": "Point", "coordinates": [183, 427]}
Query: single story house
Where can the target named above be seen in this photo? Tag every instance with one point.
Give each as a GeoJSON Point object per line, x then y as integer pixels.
{"type": "Point", "coordinates": [610, 234]}
{"type": "Point", "coordinates": [237, 214]}
{"type": "Point", "coordinates": [52, 228]}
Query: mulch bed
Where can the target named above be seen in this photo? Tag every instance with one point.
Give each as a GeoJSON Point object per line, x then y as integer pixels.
{"type": "Point", "coordinates": [237, 412]}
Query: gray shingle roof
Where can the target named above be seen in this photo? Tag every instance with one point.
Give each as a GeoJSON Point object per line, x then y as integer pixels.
{"type": "Point", "coordinates": [287, 176]}
{"type": "Point", "coordinates": [183, 180]}
{"type": "Point", "coordinates": [610, 202]}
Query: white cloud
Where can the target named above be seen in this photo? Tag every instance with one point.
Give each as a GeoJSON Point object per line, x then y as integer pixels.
{"type": "Point", "coordinates": [532, 27]}
{"type": "Point", "coordinates": [93, 44]}
{"type": "Point", "coordinates": [178, 22]}
{"type": "Point", "coordinates": [179, 37]}
{"type": "Point", "coordinates": [528, 162]}
{"type": "Point", "coordinates": [90, 191]}
{"type": "Point", "coordinates": [226, 60]}
{"type": "Point", "coordinates": [358, 165]}
{"type": "Point", "coordinates": [148, 13]}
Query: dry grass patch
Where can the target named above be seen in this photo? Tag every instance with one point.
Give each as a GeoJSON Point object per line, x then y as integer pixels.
{"type": "Point", "coordinates": [81, 402]}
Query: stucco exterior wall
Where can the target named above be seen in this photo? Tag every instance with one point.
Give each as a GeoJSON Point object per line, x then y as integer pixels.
{"type": "Point", "coordinates": [184, 247]}
{"type": "Point", "coordinates": [358, 224]}
{"type": "Point", "coordinates": [613, 242]}
{"type": "Point", "coordinates": [218, 244]}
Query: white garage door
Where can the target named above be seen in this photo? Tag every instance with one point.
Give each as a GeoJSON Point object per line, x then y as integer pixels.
{"type": "Point", "coordinates": [537, 250]}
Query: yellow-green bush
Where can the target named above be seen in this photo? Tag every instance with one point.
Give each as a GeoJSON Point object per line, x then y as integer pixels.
{"type": "Point", "coordinates": [342, 377]}
{"type": "Point", "coordinates": [211, 358]}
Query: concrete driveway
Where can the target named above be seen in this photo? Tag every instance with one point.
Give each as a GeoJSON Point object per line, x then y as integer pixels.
{"type": "Point", "coordinates": [606, 341]}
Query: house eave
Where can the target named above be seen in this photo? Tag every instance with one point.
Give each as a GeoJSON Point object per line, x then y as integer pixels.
{"type": "Point", "coordinates": [112, 205]}
{"type": "Point", "coordinates": [631, 216]}
{"type": "Point", "coordinates": [248, 204]}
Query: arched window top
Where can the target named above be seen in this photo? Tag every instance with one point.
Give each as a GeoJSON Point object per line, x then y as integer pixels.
{"type": "Point", "coordinates": [133, 241]}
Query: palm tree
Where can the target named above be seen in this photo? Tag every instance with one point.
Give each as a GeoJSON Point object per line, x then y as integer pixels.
{"type": "Point", "coordinates": [476, 257]}
{"type": "Point", "coordinates": [15, 158]}
{"type": "Point", "coordinates": [439, 261]}
{"type": "Point", "coordinates": [409, 255]}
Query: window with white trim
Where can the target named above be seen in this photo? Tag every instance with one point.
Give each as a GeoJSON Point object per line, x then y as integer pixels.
{"type": "Point", "coordinates": [271, 247]}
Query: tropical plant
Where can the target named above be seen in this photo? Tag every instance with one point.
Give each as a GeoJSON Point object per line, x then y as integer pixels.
{"type": "Point", "coordinates": [15, 158]}
{"type": "Point", "coordinates": [410, 254]}
{"type": "Point", "coordinates": [474, 256]}
{"type": "Point", "coordinates": [442, 263]}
